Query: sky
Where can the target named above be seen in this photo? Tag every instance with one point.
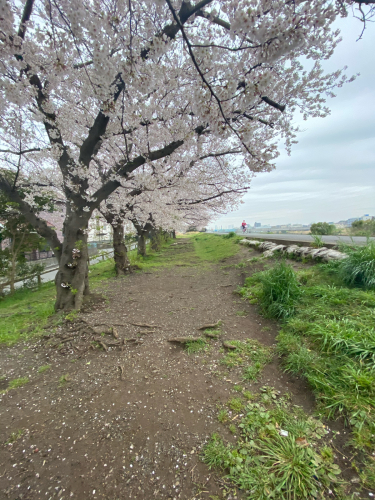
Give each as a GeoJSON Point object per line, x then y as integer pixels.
{"type": "Point", "coordinates": [330, 175]}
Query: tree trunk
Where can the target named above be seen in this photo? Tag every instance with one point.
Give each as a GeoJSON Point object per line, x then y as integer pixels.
{"type": "Point", "coordinates": [120, 252]}
{"type": "Point", "coordinates": [174, 234]}
{"type": "Point", "coordinates": [72, 277]}
{"type": "Point", "coordinates": [153, 239]}
{"type": "Point", "coordinates": [141, 247]}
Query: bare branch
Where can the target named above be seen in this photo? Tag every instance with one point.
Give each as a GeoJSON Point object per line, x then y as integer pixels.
{"type": "Point", "coordinates": [20, 152]}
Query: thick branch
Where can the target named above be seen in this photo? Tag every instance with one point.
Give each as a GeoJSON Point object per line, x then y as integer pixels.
{"type": "Point", "coordinates": [125, 168]}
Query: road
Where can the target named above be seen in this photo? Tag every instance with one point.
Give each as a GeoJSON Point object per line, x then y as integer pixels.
{"type": "Point", "coordinates": [306, 238]}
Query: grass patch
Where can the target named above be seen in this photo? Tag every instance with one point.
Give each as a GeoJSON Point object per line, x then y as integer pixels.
{"type": "Point", "coordinates": [63, 380]}
{"type": "Point", "coordinates": [25, 312]}
{"type": "Point", "coordinates": [213, 248]}
{"type": "Point", "coordinates": [241, 313]}
{"type": "Point", "coordinates": [213, 333]}
{"type": "Point", "coordinates": [223, 416]}
{"type": "Point", "coordinates": [17, 382]}
{"type": "Point", "coordinates": [278, 454]}
{"type": "Point", "coordinates": [44, 368]}
{"type": "Point", "coordinates": [251, 355]}
{"type": "Point", "coordinates": [196, 345]}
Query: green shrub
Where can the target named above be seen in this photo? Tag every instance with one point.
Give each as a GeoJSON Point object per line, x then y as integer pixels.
{"type": "Point", "coordinates": [280, 291]}
{"type": "Point", "coordinates": [322, 228]}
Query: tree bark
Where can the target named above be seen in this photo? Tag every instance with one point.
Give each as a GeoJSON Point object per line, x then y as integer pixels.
{"type": "Point", "coordinates": [120, 252]}
{"type": "Point", "coordinates": [72, 277]}
{"type": "Point", "coordinates": [174, 234]}
{"type": "Point", "coordinates": [141, 247]}
{"type": "Point", "coordinates": [155, 240]}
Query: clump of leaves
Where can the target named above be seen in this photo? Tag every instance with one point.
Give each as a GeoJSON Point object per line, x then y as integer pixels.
{"type": "Point", "coordinates": [317, 241]}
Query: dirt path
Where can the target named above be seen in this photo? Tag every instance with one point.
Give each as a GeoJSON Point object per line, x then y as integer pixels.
{"type": "Point", "coordinates": [130, 422]}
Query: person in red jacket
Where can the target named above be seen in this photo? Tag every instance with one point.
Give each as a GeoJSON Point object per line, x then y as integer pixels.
{"type": "Point", "coordinates": [243, 225]}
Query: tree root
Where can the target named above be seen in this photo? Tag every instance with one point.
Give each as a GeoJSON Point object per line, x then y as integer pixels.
{"type": "Point", "coordinates": [182, 340]}
{"type": "Point", "coordinates": [207, 327]}
{"type": "Point", "coordinates": [145, 325]}
{"type": "Point", "coordinates": [211, 335]}
{"type": "Point", "coordinates": [228, 346]}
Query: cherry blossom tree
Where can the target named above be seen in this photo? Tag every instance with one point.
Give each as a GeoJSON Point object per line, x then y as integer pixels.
{"type": "Point", "coordinates": [94, 92]}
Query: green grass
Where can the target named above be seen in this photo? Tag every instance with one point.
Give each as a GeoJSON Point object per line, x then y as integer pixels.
{"type": "Point", "coordinates": [214, 248]}
{"type": "Point", "coordinates": [267, 464]}
{"type": "Point", "coordinates": [241, 313]}
{"type": "Point", "coordinates": [63, 380]}
{"type": "Point", "coordinates": [213, 333]}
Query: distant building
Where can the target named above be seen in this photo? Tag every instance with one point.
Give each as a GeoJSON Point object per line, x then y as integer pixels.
{"type": "Point", "coordinates": [257, 224]}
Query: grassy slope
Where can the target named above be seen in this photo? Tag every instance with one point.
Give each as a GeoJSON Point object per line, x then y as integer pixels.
{"type": "Point", "coordinates": [212, 247]}
{"type": "Point", "coordinates": [330, 341]}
